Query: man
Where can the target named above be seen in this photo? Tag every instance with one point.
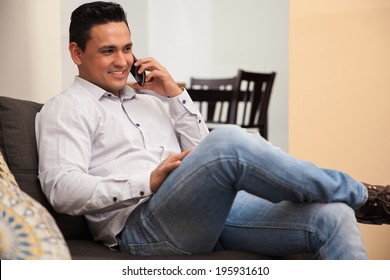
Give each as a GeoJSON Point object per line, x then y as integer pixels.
{"type": "Point", "coordinates": [130, 166]}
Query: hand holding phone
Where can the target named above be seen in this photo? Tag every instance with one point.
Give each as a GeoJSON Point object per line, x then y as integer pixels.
{"type": "Point", "coordinates": [140, 78]}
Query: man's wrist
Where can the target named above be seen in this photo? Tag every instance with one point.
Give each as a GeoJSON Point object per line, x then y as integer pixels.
{"type": "Point", "coordinates": [175, 92]}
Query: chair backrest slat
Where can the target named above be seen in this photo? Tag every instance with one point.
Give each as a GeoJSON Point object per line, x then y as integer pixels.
{"type": "Point", "coordinates": [211, 110]}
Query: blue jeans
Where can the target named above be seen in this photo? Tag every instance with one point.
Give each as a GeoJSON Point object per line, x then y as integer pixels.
{"type": "Point", "coordinates": [238, 191]}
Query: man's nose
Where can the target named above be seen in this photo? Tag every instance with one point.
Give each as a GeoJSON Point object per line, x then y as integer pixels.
{"type": "Point", "coordinates": [120, 59]}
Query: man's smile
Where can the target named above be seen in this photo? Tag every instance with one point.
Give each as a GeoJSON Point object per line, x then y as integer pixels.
{"type": "Point", "coordinates": [118, 74]}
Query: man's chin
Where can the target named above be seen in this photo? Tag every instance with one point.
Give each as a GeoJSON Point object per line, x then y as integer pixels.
{"type": "Point", "coordinates": [118, 86]}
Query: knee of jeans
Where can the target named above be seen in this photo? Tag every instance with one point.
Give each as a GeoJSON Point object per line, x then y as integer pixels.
{"type": "Point", "coordinates": [232, 141]}
{"type": "Point", "coordinates": [228, 137]}
{"type": "Point", "coordinates": [337, 217]}
{"type": "Point", "coordinates": [227, 130]}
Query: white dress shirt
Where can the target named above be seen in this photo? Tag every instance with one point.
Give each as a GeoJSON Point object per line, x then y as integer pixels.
{"type": "Point", "coordinates": [96, 151]}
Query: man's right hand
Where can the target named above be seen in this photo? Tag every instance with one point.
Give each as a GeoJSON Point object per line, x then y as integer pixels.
{"type": "Point", "coordinates": [157, 79]}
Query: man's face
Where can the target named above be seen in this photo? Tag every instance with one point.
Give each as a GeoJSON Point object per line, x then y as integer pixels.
{"type": "Point", "coordinates": [108, 57]}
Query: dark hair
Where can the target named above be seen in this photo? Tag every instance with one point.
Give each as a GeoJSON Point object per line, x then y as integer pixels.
{"type": "Point", "coordinates": [88, 15]}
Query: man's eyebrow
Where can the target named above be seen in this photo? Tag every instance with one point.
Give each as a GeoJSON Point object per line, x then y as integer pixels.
{"type": "Point", "coordinates": [112, 47]}
{"type": "Point", "coordinates": [107, 47]}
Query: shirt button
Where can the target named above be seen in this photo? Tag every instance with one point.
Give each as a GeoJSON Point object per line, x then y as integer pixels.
{"type": "Point", "coordinates": [199, 121]}
{"type": "Point", "coordinates": [184, 101]}
{"type": "Point", "coordinates": [115, 199]}
{"type": "Point", "coordinates": [137, 124]}
{"type": "Point", "coordinates": [109, 95]}
{"type": "Point", "coordinates": [141, 193]}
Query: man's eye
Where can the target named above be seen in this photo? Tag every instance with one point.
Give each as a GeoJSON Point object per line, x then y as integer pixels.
{"type": "Point", "coordinates": [127, 50]}
{"type": "Point", "coordinates": [107, 52]}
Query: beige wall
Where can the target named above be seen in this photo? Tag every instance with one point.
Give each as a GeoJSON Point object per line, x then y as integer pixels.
{"type": "Point", "coordinates": [339, 93]}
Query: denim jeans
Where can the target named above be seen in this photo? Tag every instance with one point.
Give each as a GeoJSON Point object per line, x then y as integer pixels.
{"type": "Point", "coordinates": [238, 191]}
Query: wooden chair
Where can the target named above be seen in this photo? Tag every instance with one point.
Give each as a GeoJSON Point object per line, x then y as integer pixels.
{"type": "Point", "coordinates": [242, 100]}
{"type": "Point", "coordinates": [250, 100]}
{"type": "Point", "coordinates": [212, 97]}
{"type": "Point", "coordinates": [213, 84]}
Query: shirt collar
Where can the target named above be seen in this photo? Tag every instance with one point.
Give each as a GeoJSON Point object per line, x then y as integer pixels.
{"type": "Point", "coordinates": [126, 93]}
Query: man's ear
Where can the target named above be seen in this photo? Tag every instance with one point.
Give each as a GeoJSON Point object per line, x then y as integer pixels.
{"type": "Point", "coordinates": [75, 53]}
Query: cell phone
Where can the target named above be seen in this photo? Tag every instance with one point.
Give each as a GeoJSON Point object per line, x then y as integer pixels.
{"type": "Point", "coordinates": [140, 78]}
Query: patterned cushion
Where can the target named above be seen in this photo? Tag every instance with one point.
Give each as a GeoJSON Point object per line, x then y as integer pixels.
{"type": "Point", "coordinates": [27, 230]}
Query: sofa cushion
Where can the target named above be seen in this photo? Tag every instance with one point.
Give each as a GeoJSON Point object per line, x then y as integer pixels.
{"type": "Point", "coordinates": [27, 230]}
{"type": "Point", "coordinates": [18, 145]}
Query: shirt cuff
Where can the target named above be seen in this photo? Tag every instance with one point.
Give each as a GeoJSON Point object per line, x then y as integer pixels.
{"type": "Point", "coordinates": [182, 103]}
{"type": "Point", "coordinates": [139, 185]}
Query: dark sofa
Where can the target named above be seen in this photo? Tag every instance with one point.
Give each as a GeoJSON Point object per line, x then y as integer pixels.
{"type": "Point", "coordinates": [18, 145]}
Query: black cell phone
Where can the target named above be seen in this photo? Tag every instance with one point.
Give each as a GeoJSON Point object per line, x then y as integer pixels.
{"type": "Point", "coordinates": [140, 78]}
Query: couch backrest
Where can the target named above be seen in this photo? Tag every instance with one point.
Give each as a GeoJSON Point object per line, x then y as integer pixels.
{"type": "Point", "coordinates": [18, 145]}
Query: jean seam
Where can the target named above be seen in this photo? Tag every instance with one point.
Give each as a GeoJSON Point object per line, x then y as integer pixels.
{"type": "Point", "coordinates": [154, 245]}
{"type": "Point", "coordinates": [273, 225]}
{"type": "Point", "coordinates": [310, 229]}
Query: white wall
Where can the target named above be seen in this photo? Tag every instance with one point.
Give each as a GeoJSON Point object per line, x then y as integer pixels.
{"type": "Point", "coordinates": [204, 38]}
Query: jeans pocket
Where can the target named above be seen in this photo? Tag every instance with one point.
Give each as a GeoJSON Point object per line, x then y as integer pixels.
{"type": "Point", "coordinates": [152, 249]}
